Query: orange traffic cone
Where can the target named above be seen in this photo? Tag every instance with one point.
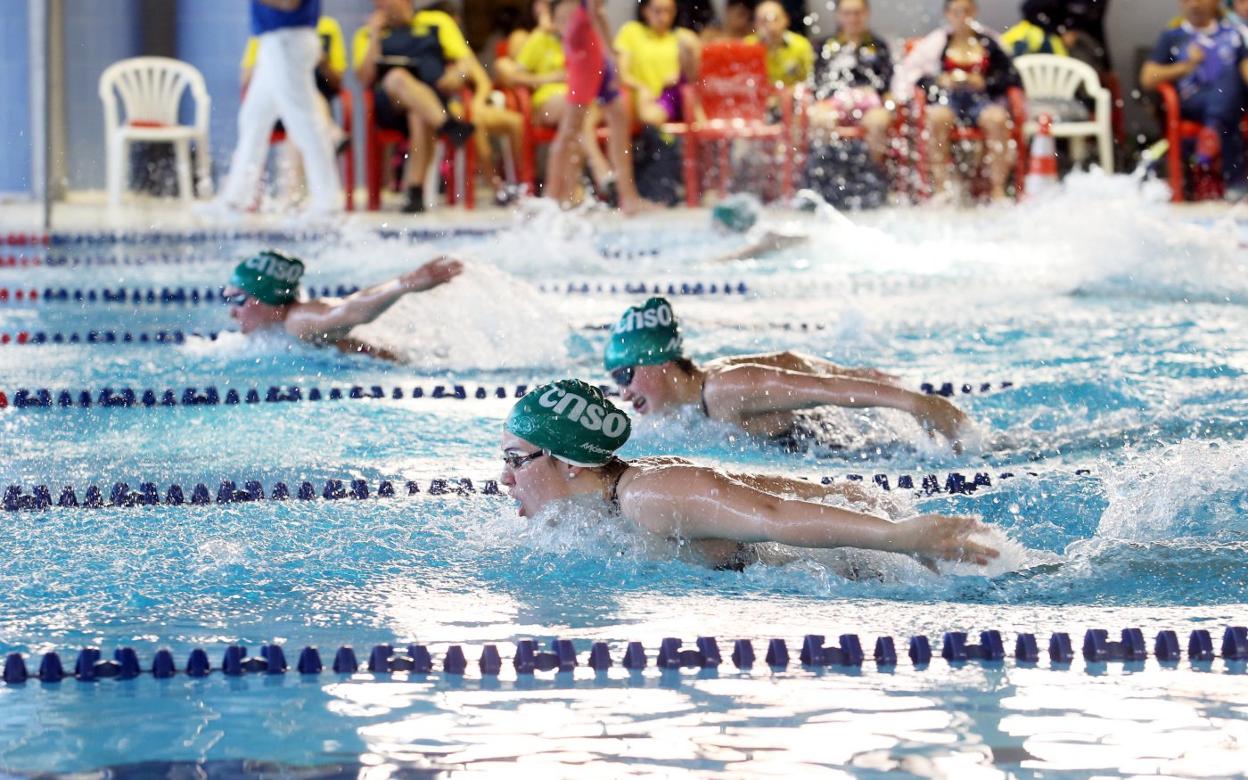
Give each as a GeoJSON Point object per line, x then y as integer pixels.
{"type": "Point", "coordinates": [1042, 168]}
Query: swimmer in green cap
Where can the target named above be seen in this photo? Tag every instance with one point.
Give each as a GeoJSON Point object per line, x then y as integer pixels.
{"type": "Point", "coordinates": [264, 293]}
{"type": "Point", "coordinates": [762, 394]}
{"type": "Point", "coordinates": [560, 441]}
{"type": "Point", "coordinates": [742, 214]}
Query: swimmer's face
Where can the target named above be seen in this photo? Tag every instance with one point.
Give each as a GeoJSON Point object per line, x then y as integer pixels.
{"type": "Point", "coordinates": [652, 388]}
{"type": "Point", "coordinates": [852, 17]}
{"type": "Point", "coordinates": [959, 14]}
{"type": "Point", "coordinates": [659, 15]}
{"type": "Point", "coordinates": [770, 22]}
{"type": "Point", "coordinates": [250, 314]}
{"type": "Point", "coordinates": [536, 479]}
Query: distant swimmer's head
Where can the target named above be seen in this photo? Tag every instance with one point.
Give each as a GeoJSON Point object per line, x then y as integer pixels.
{"type": "Point", "coordinates": [645, 351]}
{"type": "Point", "coordinates": [552, 435]}
{"type": "Point", "coordinates": [261, 286]}
{"type": "Point", "coordinates": [736, 213]}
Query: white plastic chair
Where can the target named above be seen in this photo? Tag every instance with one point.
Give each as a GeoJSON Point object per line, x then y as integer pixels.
{"type": "Point", "coordinates": [148, 90]}
{"type": "Point", "coordinates": [1048, 77]}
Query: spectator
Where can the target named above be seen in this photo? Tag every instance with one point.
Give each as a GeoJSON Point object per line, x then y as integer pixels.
{"type": "Point", "coordinates": [852, 74]}
{"type": "Point", "coordinates": [1206, 59]}
{"type": "Point", "coordinates": [1037, 33]}
{"type": "Point", "coordinates": [738, 22]}
{"type": "Point", "coordinates": [965, 75]}
{"type": "Point", "coordinates": [592, 78]}
{"type": "Point", "coordinates": [1237, 12]}
{"type": "Point", "coordinates": [412, 60]}
{"type": "Point", "coordinates": [282, 87]}
{"type": "Point", "coordinates": [790, 57]}
{"type": "Point", "coordinates": [329, 72]}
{"type": "Point", "coordinates": [655, 60]}
{"type": "Point", "coordinates": [540, 66]}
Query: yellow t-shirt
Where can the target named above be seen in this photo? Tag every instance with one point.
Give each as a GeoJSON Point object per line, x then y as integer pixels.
{"type": "Point", "coordinates": [454, 45]}
{"type": "Point", "coordinates": [653, 59]}
{"type": "Point", "coordinates": [1027, 38]}
{"type": "Point", "coordinates": [541, 54]}
{"type": "Point", "coordinates": [330, 33]}
{"type": "Point", "coordinates": [791, 61]}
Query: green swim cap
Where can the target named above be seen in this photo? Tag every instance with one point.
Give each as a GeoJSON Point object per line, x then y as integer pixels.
{"type": "Point", "coordinates": [572, 420]}
{"type": "Point", "coordinates": [270, 277]}
{"type": "Point", "coordinates": [646, 335]}
{"type": "Point", "coordinates": [737, 213]}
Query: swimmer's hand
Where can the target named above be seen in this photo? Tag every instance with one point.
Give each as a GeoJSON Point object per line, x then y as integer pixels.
{"type": "Point", "coordinates": [436, 272]}
{"type": "Point", "coordinates": [937, 415]}
{"type": "Point", "coordinates": [932, 538]}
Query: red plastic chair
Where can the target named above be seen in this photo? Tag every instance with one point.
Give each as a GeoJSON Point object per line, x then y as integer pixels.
{"type": "Point", "coordinates": [377, 138]}
{"type": "Point", "coordinates": [1178, 130]}
{"type": "Point", "coordinates": [803, 99]}
{"type": "Point", "coordinates": [521, 99]}
{"type": "Point", "coordinates": [1018, 117]}
{"type": "Point", "coordinates": [731, 100]}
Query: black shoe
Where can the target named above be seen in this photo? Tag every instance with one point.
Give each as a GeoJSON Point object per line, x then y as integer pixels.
{"type": "Point", "coordinates": [457, 131]}
{"type": "Point", "coordinates": [414, 203]}
{"type": "Point", "coordinates": [611, 194]}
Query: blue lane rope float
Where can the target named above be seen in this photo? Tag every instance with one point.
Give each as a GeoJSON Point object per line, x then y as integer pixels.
{"type": "Point", "coordinates": [90, 666]}
{"type": "Point", "coordinates": [725, 288]}
{"type": "Point", "coordinates": [253, 490]}
{"type": "Point", "coordinates": [148, 398]}
{"type": "Point", "coordinates": [193, 296]}
{"type": "Point", "coordinates": [156, 237]}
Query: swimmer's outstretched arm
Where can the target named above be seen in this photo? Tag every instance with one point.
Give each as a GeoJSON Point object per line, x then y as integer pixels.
{"type": "Point", "coordinates": [769, 241]}
{"type": "Point", "coordinates": [747, 390]}
{"type": "Point", "coordinates": [695, 502]}
{"type": "Point", "coordinates": [803, 363]}
{"type": "Point", "coordinates": [332, 321]}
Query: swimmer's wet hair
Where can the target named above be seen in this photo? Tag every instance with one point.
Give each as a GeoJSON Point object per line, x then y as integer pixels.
{"type": "Point", "coordinates": [686, 365]}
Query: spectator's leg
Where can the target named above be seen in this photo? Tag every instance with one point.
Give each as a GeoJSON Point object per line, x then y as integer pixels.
{"type": "Point", "coordinates": [940, 122]}
{"type": "Point", "coordinates": [995, 123]}
{"type": "Point", "coordinates": [299, 108]}
{"type": "Point", "coordinates": [551, 112]}
{"type": "Point", "coordinates": [620, 151]}
{"type": "Point", "coordinates": [425, 112]}
{"type": "Point", "coordinates": [255, 123]}
{"type": "Point", "coordinates": [562, 163]}
{"type": "Point", "coordinates": [689, 51]}
{"type": "Point", "coordinates": [599, 168]}
{"type": "Point", "coordinates": [876, 123]}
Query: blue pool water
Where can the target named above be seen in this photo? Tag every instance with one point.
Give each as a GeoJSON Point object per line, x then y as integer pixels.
{"type": "Point", "coordinates": [1118, 322]}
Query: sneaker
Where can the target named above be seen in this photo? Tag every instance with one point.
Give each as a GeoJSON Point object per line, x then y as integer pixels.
{"type": "Point", "coordinates": [414, 201]}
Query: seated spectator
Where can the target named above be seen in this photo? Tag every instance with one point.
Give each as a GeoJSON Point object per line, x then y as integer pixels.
{"type": "Point", "coordinates": [738, 22]}
{"type": "Point", "coordinates": [1206, 58]}
{"type": "Point", "coordinates": [403, 56]}
{"type": "Point", "coordinates": [790, 57]}
{"type": "Point", "coordinates": [1237, 12]}
{"type": "Point", "coordinates": [655, 60]}
{"type": "Point", "coordinates": [1037, 33]}
{"type": "Point", "coordinates": [329, 73]}
{"type": "Point", "coordinates": [540, 66]}
{"type": "Point", "coordinates": [966, 75]}
{"type": "Point", "coordinates": [852, 75]}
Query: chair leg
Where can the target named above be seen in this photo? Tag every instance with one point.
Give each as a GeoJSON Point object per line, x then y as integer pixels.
{"type": "Point", "coordinates": [690, 165]}
{"type": "Point", "coordinates": [203, 163]}
{"type": "Point", "coordinates": [1078, 149]}
{"type": "Point", "coordinates": [117, 157]}
{"type": "Point", "coordinates": [1105, 149]}
{"type": "Point", "coordinates": [182, 157]}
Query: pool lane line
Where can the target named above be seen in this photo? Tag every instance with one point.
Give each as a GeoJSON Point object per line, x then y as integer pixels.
{"type": "Point", "coordinates": [148, 494]}
{"type": "Point", "coordinates": [165, 296]}
{"type": "Point", "coordinates": [218, 235]}
{"type": "Point", "coordinates": [671, 656]}
{"type": "Point", "coordinates": [128, 398]}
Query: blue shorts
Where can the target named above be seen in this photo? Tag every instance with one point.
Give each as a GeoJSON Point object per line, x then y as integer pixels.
{"type": "Point", "coordinates": [968, 105]}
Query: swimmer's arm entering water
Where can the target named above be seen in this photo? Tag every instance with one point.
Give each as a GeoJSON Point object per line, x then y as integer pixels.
{"type": "Point", "coordinates": [695, 503]}
{"type": "Point", "coordinates": [769, 241]}
{"type": "Point", "coordinates": [743, 391]}
{"type": "Point", "coordinates": [322, 321]}
{"type": "Point", "coordinates": [803, 363]}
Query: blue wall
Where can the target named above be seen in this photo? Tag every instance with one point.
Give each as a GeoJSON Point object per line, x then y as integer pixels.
{"type": "Point", "coordinates": [15, 148]}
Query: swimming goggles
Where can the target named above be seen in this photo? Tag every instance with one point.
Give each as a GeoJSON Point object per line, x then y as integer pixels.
{"type": "Point", "coordinates": [514, 460]}
{"type": "Point", "coordinates": [624, 376]}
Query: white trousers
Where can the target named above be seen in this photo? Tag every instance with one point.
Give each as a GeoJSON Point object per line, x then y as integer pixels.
{"type": "Point", "coordinates": [283, 86]}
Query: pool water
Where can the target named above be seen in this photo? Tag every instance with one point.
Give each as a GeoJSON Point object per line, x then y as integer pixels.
{"type": "Point", "coordinates": [1117, 322]}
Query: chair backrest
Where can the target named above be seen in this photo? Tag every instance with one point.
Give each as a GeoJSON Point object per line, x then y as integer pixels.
{"type": "Point", "coordinates": [1048, 76]}
{"type": "Point", "coordinates": [150, 90]}
{"type": "Point", "coordinates": [732, 82]}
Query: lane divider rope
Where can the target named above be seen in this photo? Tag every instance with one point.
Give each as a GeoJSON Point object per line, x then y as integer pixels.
{"type": "Point", "coordinates": [528, 659]}
{"type": "Point", "coordinates": [253, 490]}
{"type": "Point", "coordinates": [150, 237]}
{"type": "Point", "coordinates": [149, 295]}
{"type": "Point", "coordinates": [126, 397]}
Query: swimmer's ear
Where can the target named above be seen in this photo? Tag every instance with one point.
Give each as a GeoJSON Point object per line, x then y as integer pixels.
{"type": "Point", "coordinates": [570, 472]}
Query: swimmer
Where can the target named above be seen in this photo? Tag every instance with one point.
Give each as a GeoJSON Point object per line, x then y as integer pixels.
{"type": "Point", "coordinates": [264, 293]}
{"type": "Point", "coordinates": [560, 441]}
{"type": "Point", "coordinates": [761, 394]}
{"type": "Point", "coordinates": [741, 214]}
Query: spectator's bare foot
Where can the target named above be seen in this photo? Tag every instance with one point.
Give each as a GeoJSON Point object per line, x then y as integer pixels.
{"type": "Point", "coordinates": [631, 207]}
